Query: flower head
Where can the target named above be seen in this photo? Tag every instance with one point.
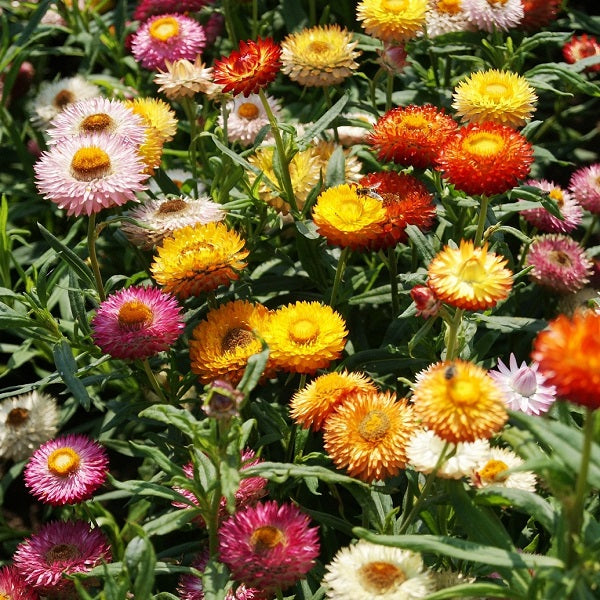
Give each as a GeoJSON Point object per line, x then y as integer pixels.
{"type": "Point", "coordinates": [66, 470]}
{"type": "Point", "coordinates": [446, 16]}
{"type": "Point", "coordinates": [567, 352]}
{"type": "Point", "coordinates": [493, 471]}
{"type": "Point", "coordinates": [559, 263]}
{"type": "Point", "coordinates": [26, 421]}
{"type": "Point", "coordinates": [485, 158]}
{"type": "Point", "coordinates": [491, 15]}
{"type": "Point", "coordinates": [312, 405]}
{"type": "Point", "coordinates": [184, 79]}
{"type": "Point", "coordinates": [157, 115]}
{"type": "Point", "coordinates": [498, 96]}
{"type": "Point", "coordinates": [222, 400]}
{"type": "Point", "coordinates": [253, 66]}
{"type": "Point", "coordinates": [426, 302]}
{"type": "Point", "coordinates": [570, 210]}
{"type": "Point", "coordinates": [86, 174]}
{"type": "Point", "coordinates": [392, 20]}
{"type": "Point", "coordinates": [319, 56]}
{"type": "Point", "coordinates": [539, 13]}
{"type": "Point", "coordinates": [305, 336]}
{"type": "Point", "coordinates": [222, 344]}
{"type": "Point", "coordinates": [137, 323]}
{"type": "Point", "coordinates": [13, 586]}
{"type": "Point", "coordinates": [412, 135]}
{"type": "Point", "coordinates": [468, 277]}
{"type": "Point", "coordinates": [585, 186]}
{"type": "Point", "coordinates": [366, 570]}
{"type": "Point", "coordinates": [148, 8]}
{"type": "Point", "coordinates": [268, 546]}
{"type": "Point", "coordinates": [580, 47]}
{"type": "Point", "coordinates": [59, 549]}
{"type": "Point", "coordinates": [459, 402]}
{"type": "Point", "coordinates": [199, 259]}
{"type": "Point", "coordinates": [167, 37]}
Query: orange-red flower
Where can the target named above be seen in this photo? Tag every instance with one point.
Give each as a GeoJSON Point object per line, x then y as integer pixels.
{"type": "Point", "coordinates": [485, 158]}
{"type": "Point", "coordinates": [568, 352]}
{"type": "Point", "coordinates": [412, 135]}
{"type": "Point", "coordinates": [251, 67]}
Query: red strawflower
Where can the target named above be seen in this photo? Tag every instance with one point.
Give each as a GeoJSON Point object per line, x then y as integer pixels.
{"type": "Point", "coordinates": [412, 135]}
{"type": "Point", "coordinates": [485, 158]}
{"type": "Point", "coordinates": [539, 13]}
{"type": "Point", "coordinates": [251, 67]}
{"type": "Point", "coordinates": [406, 201]}
{"type": "Point", "coordinates": [149, 8]}
{"type": "Point", "coordinates": [581, 47]}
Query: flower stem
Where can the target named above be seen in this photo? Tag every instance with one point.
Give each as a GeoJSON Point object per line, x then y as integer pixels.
{"type": "Point", "coordinates": [91, 242]}
{"type": "Point", "coordinates": [341, 267]}
{"type": "Point", "coordinates": [389, 88]}
{"type": "Point", "coordinates": [481, 220]}
{"type": "Point", "coordinates": [189, 107]}
{"type": "Point", "coordinates": [393, 271]}
{"type": "Point", "coordinates": [156, 388]}
{"type": "Point", "coordinates": [589, 231]}
{"type": "Point", "coordinates": [453, 327]}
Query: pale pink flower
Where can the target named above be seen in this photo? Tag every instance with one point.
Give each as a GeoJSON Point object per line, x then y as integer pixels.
{"type": "Point", "coordinates": [489, 15]}
{"type": "Point", "coordinates": [585, 186]}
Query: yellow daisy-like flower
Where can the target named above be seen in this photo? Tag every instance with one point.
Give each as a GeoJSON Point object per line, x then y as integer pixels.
{"type": "Point", "coordinates": [347, 217]}
{"type": "Point", "coordinates": [392, 20]}
{"type": "Point", "coordinates": [319, 56]}
{"type": "Point", "coordinates": [499, 96]}
{"type": "Point", "coordinates": [368, 434]}
{"type": "Point", "coordinates": [352, 166]}
{"type": "Point", "coordinates": [199, 259]}
{"type": "Point", "coordinates": [156, 113]}
{"type": "Point", "coordinates": [304, 173]}
{"type": "Point", "coordinates": [468, 277]}
{"type": "Point", "coordinates": [459, 401]}
{"type": "Point", "coordinates": [305, 336]}
{"type": "Point", "coordinates": [222, 344]}
{"type": "Point", "coordinates": [311, 406]}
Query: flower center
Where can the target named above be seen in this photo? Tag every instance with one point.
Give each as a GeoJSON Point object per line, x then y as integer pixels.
{"type": "Point", "coordinates": [557, 194]}
{"type": "Point", "coordinates": [318, 47]}
{"type": "Point", "coordinates": [90, 163]}
{"type": "Point", "coordinates": [62, 553]}
{"type": "Point", "coordinates": [248, 110]}
{"type": "Point", "coordinates": [164, 29]}
{"type": "Point", "coordinates": [97, 122]}
{"type": "Point", "coordinates": [559, 257]}
{"type": "Point", "coordinates": [374, 425]}
{"type": "Point", "coordinates": [380, 577]}
{"type": "Point", "coordinates": [472, 271]}
{"type": "Point", "coordinates": [463, 392]}
{"type": "Point", "coordinates": [451, 7]}
{"type": "Point", "coordinates": [304, 331]}
{"type": "Point", "coordinates": [394, 5]}
{"type": "Point", "coordinates": [172, 206]}
{"type": "Point", "coordinates": [236, 338]}
{"type": "Point", "coordinates": [134, 313]}
{"type": "Point", "coordinates": [492, 471]}
{"type": "Point", "coordinates": [495, 90]}
{"type": "Point", "coordinates": [493, 3]}
{"type": "Point", "coordinates": [483, 144]}
{"type": "Point", "coordinates": [266, 538]}
{"type": "Point", "coordinates": [16, 417]}
{"type": "Point", "coordinates": [415, 122]}
{"type": "Point", "coordinates": [63, 98]}
{"type": "Point", "coordinates": [63, 461]}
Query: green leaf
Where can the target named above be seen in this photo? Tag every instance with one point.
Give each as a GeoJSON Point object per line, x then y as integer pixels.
{"type": "Point", "coordinates": [321, 124]}
{"type": "Point", "coordinates": [139, 487]}
{"type": "Point", "coordinates": [140, 559]}
{"type": "Point", "coordinates": [215, 581]}
{"type": "Point", "coordinates": [421, 243]}
{"type": "Point", "coordinates": [474, 590]}
{"type": "Point", "coordinates": [566, 74]}
{"type": "Point", "coordinates": [67, 369]}
{"type": "Point", "coordinates": [336, 168]}
{"type": "Point", "coordinates": [178, 417]}
{"type": "Point", "coordinates": [254, 370]}
{"type": "Point", "coordinates": [171, 521]}
{"type": "Point", "coordinates": [510, 324]}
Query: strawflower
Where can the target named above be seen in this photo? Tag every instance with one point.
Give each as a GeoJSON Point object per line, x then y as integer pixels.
{"type": "Point", "coordinates": [184, 79]}
{"type": "Point", "coordinates": [493, 471]}
{"type": "Point", "coordinates": [148, 8]}
{"type": "Point", "coordinates": [392, 20]}
{"type": "Point", "coordinates": [446, 16]}
{"type": "Point", "coordinates": [539, 13]}
{"type": "Point", "coordinates": [585, 186]}
{"type": "Point", "coordinates": [583, 46]}
{"type": "Point", "coordinates": [426, 302]}
{"type": "Point", "coordinates": [491, 15]}
{"type": "Point", "coordinates": [13, 586]}
{"type": "Point", "coordinates": [157, 115]}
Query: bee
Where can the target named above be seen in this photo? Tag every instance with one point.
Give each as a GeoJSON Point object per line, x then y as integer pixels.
{"type": "Point", "coordinates": [450, 372]}
{"type": "Point", "coordinates": [368, 191]}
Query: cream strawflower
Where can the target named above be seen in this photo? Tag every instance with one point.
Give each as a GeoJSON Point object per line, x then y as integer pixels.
{"type": "Point", "coordinates": [493, 471]}
{"type": "Point", "coordinates": [489, 15]}
{"type": "Point", "coordinates": [184, 78]}
{"type": "Point", "coordinates": [446, 16]}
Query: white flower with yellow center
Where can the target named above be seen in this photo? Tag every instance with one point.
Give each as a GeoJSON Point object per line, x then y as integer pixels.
{"type": "Point", "coordinates": [495, 470]}
{"type": "Point", "coordinates": [489, 15]}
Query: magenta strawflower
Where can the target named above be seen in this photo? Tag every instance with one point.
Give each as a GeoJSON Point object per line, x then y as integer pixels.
{"type": "Point", "coordinates": [268, 546]}
{"type": "Point", "coordinates": [86, 174]}
{"type": "Point", "coordinates": [149, 8]}
{"type": "Point", "coordinates": [13, 586]}
{"type": "Point", "coordinates": [570, 209]}
{"type": "Point", "coordinates": [585, 186]}
{"type": "Point", "coordinates": [167, 37]}
{"type": "Point", "coordinates": [137, 322]}
{"type": "Point", "coordinates": [66, 470]}
{"type": "Point", "coordinates": [559, 263]}
{"type": "Point", "coordinates": [59, 549]}
{"type": "Point", "coordinates": [524, 387]}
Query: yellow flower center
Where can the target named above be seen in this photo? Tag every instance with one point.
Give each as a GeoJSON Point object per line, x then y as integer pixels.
{"type": "Point", "coordinates": [394, 6]}
{"type": "Point", "coordinates": [61, 552]}
{"type": "Point", "coordinates": [172, 206]}
{"type": "Point", "coordinates": [16, 417]}
{"type": "Point", "coordinates": [472, 271]}
{"type": "Point", "coordinates": [559, 257]}
{"type": "Point", "coordinates": [134, 313]}
{"type": "Point", "coordinates": [90, 163]}
{"type": "Point", "coordinates": [248, 110]}
{"type": "Point", "coordinates": [483, 144]}
{"type": "Point", "coordinates": [493, 3]}
{"type": "Point", "coordinates": [463, 392]}
{"type": "Point", "coordinates": [63, 98]}
{"type": "Point", "coordinates": [492, 471]}
{"type": "Point", "coordinates": [63, 461]}
{"type": "Point", "coordinates": [164, 29]}
{"type": "Point", "coordinates": [380, 577]}
{"type": "Point", "coordinates": [236, 338]}
{"type": "Point", "coordinates": [452, 7]}
{"type": "Point", "coordinates": [556, 194]}
{"type": "Point", "coordinates": [414, 122]}
{"type": "Point", "coordinates": [495, 90]}
{"type": "Point", "coordinates": [303, 331]}
{"type": "Point", "coordinates": [4, 597]}
{"type": "Point", "coordinates": [374, 426]}
{"type": "Point", "coordinates": [318, 47]}
{"type": "Point", "coordinates": [97, 122]}
{"type": "Point", "coordinates": [266, 538]}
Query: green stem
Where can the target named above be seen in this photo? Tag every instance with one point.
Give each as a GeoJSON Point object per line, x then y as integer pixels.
{"type": "Point", "coordinates": [91, 243]}
{"type": "Point", "coordinates": [393, 271]}
{"type": "Point", "coordinates": [312, 12]}
{"type": "Point", "coordinates": [389, 88]}
{"type": "Point", "coordinates": [481, 220]}
{"type": "Point", "coordinates": [590, 230]}
{"type": "Point", "coordinates": [156, 388]}
{"type": "Point", "coordinates": [229, 23]}
{"type": "Point", "coordinates": [254, 19]}
{"type": "Point", "coordinates": [453, 327]}
{"type": "Point", "coordinates": [189, 107]}
{"type": "Point", "coordinates": [341, 267]}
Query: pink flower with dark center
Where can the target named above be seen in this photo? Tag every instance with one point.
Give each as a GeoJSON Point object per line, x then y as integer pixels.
{"type": "Point", "coordinates": [59, 549]}
{"type": "Point", "coordinates": [525, 388]}
{"type": "Point", "coordinates": [268, 546]}
{"type": "Point", "coordinates": [13, 586]}
{"type": "Point", "coordinates": [137, 322]}
{"type": "Point", "coordinates": [66, 470]}
{"type": "Point", "coordinates": [585, 186]}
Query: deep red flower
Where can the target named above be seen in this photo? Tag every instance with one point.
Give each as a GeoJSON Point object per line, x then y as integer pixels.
{"type": "Point", "coordinates": [539, 13]}
{"type": "Point", "coordinates": [148, 8]}
{"type": "Point", "coordinates": [581, 47]}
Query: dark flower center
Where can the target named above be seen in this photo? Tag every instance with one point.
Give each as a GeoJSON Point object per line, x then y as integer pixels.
{"type": "Point", "coordinates": [266, 538]}
{"type": "Point", "coordinates": [63, 98]}
{"type": "Point", "coordinates": [62, 553]}
{"type": "Point", "coordinates": [172, 206]}
{"type": "Point", "coordinates": [236, 338]}
{"type": "Point", "coordinates": [16, 417]}
{"type": "Point", "coordinates": [97, 122]}
{"type": "Point", "coordinates": [380, 577]}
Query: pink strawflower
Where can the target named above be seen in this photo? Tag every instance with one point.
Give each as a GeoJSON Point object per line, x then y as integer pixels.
{"type": "Point", "coordinates": [58, 549]}
{"type": "Point", "coordinates": [167, 37]}
{"type": "Point", "coordinates": [585, 186]}
{"type": "Point", "coordinates": [559, 263]}
{"type": "Point", "coordinates": [66, 470]}
{"type": "Point", "coordinates": [86, 174]}
{"type": "Point", "coordinates": [13, 586]}
{"type": "Point", "coordinates": [268, 546]}
{"type": "Point", "coordinates": [149, 8]}
{"type": "Point", "coordinates": [489, 15]}
{"type": "Point", "coordinates": [426, 302]}
{"type": "Point", "coordinates": [524, 387]}
{"type": "Point", "coordinates": [137, 322]}
{"type": "Point", "coordinates": [569, 208]}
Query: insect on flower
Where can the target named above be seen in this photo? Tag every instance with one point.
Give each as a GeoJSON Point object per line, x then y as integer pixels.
{"type": "Point", "coordinates": [368, 191]}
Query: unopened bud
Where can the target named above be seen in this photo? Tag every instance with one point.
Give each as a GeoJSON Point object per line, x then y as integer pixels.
{"type": "Point", "coordinates": [392, 58]}
{"type": "Point", "coordinates": [425, 300]}
{"type": "Point", "coordinates": [222, 400]}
